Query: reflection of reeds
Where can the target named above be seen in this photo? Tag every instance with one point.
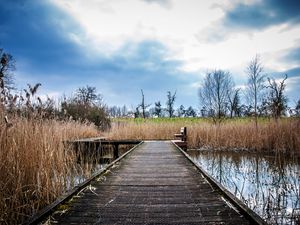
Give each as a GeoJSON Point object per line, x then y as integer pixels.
{"type": "Point", "coordinates": [269, 186]}
{"type": "Point", "coordinates": [35, 166]}
{"type": "Point", "coordinates": [278, 136]}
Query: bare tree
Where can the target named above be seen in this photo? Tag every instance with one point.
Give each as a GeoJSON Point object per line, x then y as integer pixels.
{"type": "Point", "coordinates": [276, 99]}
{"type": "Point", "coordinates": [170, 103]}
{"type": "Point", "coordinates": [234, 101]}
{"type": "Point", "coordinates": [113, 111]}
{"type": "Point", "coordinates": [256, 80]}
{"type": "Point", "coordinates": [137, 112]}
{"type": "Point", "coordinates": [158, 109]}
{"type": "Point", "coordinates": [181, 111]}
{"type": "Point", "coordinates": [214, 92]}
{"type": "Point", "coordinates": [124, 111]}
{"type": "Point", "coordinates": [143, 105]}
{"type": "Point", "coordinates": [190, 112]}
{"type": "Point", "coordinates": [88, 95]}
{"type": "Point", "coordinates": [7, 65]}
{"type": "Point", "coordinates": [88, 105]}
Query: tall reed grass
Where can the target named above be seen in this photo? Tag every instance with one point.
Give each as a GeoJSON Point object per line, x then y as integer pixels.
{"type": "Point", "coordinates": [35, 166]}
{"type": "Point", "coordinates": [273, 136]}
{"type": "Point", "coordinates": [269, 136]}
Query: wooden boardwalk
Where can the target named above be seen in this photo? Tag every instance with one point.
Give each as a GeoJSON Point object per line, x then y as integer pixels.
{"type": "Point", "coordinates": [154, 184]}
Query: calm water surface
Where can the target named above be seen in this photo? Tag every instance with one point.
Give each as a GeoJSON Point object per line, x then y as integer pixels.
{"type": "Point", "coordinates": [92, 164]}
{"type": "Point", "coordinates": [269, 185]}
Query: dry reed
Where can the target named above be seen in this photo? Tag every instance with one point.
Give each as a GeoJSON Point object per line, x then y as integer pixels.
{"type": "Point", "coordinates": [270, 136]}
{"type": "Point", "coordinates": [273, 136]}
{"type": "Point", "coordinates": [35, 165]}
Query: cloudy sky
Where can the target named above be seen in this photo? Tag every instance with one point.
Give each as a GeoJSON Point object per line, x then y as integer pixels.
{"type": "Point", "coordinates": [122, 46]}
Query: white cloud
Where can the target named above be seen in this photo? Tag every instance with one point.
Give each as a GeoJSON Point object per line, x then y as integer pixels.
{"type": "Point", "coordinates": [165, 3]}
{"type": "Point", "coordinates": [292, 83]}
{"type": "Point", "coordinates": [292, 89]}
{"type": "Point", "coordinates": [183, 28]}
{"type": "Point", "coordinates": [108, 25]}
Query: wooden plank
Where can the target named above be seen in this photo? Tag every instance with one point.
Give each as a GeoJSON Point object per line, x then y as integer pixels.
{"type": "Point", "coordinates": [155, 184]}
{"type": "Point", "coordinates": [42, 214]}
{"type": "Point", "coordinates": [245, 210]}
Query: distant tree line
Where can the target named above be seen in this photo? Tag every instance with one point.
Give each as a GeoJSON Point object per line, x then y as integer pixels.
{"type": "Point", "coordinates": [219, 98]}
{"type": "Point", "coordinates": [265, 96]}
{"type": "Point", "coordinates": [143, 110]}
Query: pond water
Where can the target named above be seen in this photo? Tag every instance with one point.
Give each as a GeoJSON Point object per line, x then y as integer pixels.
{"type": "Point", "coordinates": [90, 164]}
{"type": "Point", "coordinates": [269, 185]}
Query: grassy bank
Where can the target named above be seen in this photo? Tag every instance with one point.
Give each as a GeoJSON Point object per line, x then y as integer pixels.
{"type": "Point", "coordinates": [35, 165]}
{"type": "Point", "coordinates": [278, 136]}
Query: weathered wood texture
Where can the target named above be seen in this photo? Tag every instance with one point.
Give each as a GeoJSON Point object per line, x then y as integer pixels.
{"type": "Point", "coordinates": [154, 184]}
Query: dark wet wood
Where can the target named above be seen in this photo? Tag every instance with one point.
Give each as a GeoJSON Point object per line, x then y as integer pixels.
{"type": "Point", "coordinates": [92, 147]}
{"type": "Point", "coordinates": [105, 141]}
{"type": "Point", "coordinates": [154, 184]}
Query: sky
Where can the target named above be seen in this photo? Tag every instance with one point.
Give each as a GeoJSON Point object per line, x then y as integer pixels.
{"type": "Point", "coordinates": [123, 46]}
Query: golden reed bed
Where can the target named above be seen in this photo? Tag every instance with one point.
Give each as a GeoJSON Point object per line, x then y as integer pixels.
{"type": "Point", "coordinates": [36, 167]}
{"type": "Point", "coordinates": [282, 135]}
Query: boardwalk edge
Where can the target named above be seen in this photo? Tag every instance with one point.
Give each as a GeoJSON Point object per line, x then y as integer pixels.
{"type": "Point", "coordinates": [43, 213]}
{"type": "Point", "coordinates": [244, 209]}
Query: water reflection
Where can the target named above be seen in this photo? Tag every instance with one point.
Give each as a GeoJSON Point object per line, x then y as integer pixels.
{"type": "Point", "coordinates": [270, 185]}
{"type": "Point", "coordinates": [91, 162]}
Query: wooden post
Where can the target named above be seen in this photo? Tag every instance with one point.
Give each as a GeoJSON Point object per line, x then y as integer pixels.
{"type": "Point", "coordinates": [184, 134]}
{"type": "Point", "coordinates": [182, 143]}
{"type": "Point", "coordinates": [116, 150]}
{"type": "Point", "coordinates": [99, 148]}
